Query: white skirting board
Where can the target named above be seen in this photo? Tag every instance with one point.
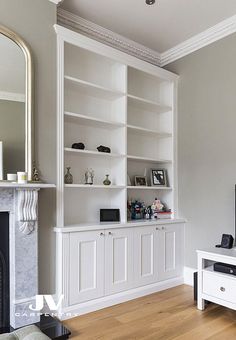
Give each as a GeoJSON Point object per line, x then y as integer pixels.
{"type": "Point", "coordinates": [107, 301]}
{"type": "Point", "coordinates": [188, 275]}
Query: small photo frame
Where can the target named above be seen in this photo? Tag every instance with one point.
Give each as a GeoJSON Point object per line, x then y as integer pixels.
{"type": "Point", "coordinates": [159, 177]}
{"type": "Point", "coordinates": [140, 181]}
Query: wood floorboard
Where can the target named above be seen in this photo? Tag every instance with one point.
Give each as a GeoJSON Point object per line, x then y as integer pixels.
{"type": "Point", "coordinates": [167, 315]}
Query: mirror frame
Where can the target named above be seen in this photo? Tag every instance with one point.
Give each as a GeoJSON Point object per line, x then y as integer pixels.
{"type": "Point", "coordinates": [29, 96]}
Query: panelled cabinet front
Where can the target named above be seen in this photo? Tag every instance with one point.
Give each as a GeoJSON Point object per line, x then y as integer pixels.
{"type": "Point", "coordinates": [106, 262]}
{"type": "Point", "coordinates": [146, 255]}
{"type": "Point", "coordinates": [118, 260]}
{"type": "Point", "coordinates": [86, 266]}
{"type": "Point", "coordinates": [170, 245]}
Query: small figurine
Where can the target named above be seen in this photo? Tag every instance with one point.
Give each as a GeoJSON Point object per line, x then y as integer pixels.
{"type": "Point", "coordinates": [157, 207]}
{"type": "Point", "coordinates": [148, 212]}
{"type": "Point", "coordinates": [89, 176]}
{"type": "Point", "coordinates": [35, 177]}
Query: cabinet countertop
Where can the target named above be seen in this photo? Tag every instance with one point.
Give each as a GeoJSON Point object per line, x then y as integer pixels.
{"type": "Point", "coordinates": [222, 252]}
{"type": "Point", "coordinates": [101, 226]}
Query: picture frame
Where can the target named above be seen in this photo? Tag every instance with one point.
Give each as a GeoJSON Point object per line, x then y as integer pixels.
{"type": "Point", "coordinates": [140, 181]}
{"type": "Point", "coordinates": [159, 177]}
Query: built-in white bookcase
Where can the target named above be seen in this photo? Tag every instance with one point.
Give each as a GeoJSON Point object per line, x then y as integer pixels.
{"type": "Point", "coordinates": [107, 97]}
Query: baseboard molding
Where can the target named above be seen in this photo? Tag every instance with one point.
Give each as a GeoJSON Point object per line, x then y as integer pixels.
{"type": "Point", "coordinates": [188, 275]}
{"type": "Point", "coordinates": [111, 300]}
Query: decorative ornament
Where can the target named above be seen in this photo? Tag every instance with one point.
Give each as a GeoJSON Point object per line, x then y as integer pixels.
{"type": "Point", "coordinates": [68, 176]}
{"type": "Point", "coordinates": [89, 176]}
{"type": "Point", "coordinates": [35, 176]}
{"type": "Point", "coordinates": [103, 148]}
{"type": "Point", "coordinates": [27, 210]}
{"type": "Point", "coordinates": [107, 181]}
{"type": "Point", "coordinates": [79, 146]}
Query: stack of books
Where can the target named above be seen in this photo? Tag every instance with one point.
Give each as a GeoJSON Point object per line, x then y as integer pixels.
{"type": "Point", "coordinates": [164, 215]}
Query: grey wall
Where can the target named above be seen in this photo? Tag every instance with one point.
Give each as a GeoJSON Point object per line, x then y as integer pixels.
{"type": "Point", "coordinates": [207, 143]}
{"type": "Point", "coordinates": [34, 20]}
{"type": "Point", "coordinates": [12, 134]}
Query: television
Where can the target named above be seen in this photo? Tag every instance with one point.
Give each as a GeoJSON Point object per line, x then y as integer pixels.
{"type": "Point", "coordinates": [1, 161]}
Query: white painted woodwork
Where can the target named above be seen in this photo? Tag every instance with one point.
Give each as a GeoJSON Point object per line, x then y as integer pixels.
{"type": "Point", "coordinates": [114, 225]}
{"type": "Point", "coordinates": [146, 255]}
{"type": "Point", "coordinates": [118, 260]}
{"type": "Point", "coordinates": [213, 286]}
{"type": "Point", "coordinates": [103, 263]}
{"type": "Point", "coordinates": [170, 245]}
{"type": "Point", "coordinates": [220, 286]}
{"type": "Point", "coordinates": [184, 47]}
{"type": "Point", "coordinates": [108, 97]}
{"type": "Point", "coordinates": [86, 266]}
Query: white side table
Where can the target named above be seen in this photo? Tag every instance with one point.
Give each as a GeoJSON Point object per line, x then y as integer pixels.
{"type": "Point", "coordinates": [213, 286]}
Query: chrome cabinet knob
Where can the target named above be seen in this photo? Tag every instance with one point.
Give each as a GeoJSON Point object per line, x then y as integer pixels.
{"type": "Point", "coordinates": [222, 289]}
{"type": "Point", "coordinates": [157, 228]}
{"type": "Point", "coordinates": [102, 234]}
{"type": "Point", "coordinates": [110, 233]}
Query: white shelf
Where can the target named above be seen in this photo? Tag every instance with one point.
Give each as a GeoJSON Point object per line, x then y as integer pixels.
{"type": "Point", "coordinates": [94, 89]}
{"type": "Point", "coordinates": [113, 225]}
{"type": "Point", "coordinates": [129, 107]}
{"type": "Point", "coordinates": [93, 121]}
{"type": "Point", "coordinates": [148, 160]}
{"type": "Point", "coordinates": [133, 187]}
{"type": "Point", "coordinates": [94, 186]}
{"type": "Point", "coordinates": [30, 185]}
{"type": "Point", "coordinates": [94, 153]}
{"type": "Point", "coordinates": [211, 270]}
{"type": "Point", "coordinates": [144, 131]}
{"type": "Point", "coordinates": [148, 105]}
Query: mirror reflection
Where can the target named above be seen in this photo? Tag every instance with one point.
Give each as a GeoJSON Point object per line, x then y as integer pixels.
{"type": "Point", "coordinates": [12, 108]}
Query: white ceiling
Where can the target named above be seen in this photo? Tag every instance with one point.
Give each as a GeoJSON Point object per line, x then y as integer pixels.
{"type": "Point", "coordinates": [159, 27]}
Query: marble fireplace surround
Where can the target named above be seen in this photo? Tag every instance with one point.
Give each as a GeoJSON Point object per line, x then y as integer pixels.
{"type": "Point", "coordinates": [21, 202]}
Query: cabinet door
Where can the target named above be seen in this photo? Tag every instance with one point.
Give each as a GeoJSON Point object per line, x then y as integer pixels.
{"type": "Point", "coordinates": [118, 260]}
{"type": "Point", "coordinates": [171, 251]}
{"type": "Point", "coordinates": [146, 255]}
{"type": "Point", "coordinates": [86, 266]}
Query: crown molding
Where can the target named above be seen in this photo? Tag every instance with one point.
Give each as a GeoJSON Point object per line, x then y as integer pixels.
{"type": "Point", "coordinates": [107, 37]}
{"type": "Point", "coordinates": [57, 2]}
{"type": "Point", "coordinates": [205, 38]}
{"type": "Point", "coordinates": [209, 36]}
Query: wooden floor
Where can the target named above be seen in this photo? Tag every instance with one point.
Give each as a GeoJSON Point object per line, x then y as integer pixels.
{"type": "Point", "coordinates": [170, 314]}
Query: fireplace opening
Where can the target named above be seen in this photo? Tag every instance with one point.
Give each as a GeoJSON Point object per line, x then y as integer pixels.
{"type": "Point", "coordinates": [4, 272]}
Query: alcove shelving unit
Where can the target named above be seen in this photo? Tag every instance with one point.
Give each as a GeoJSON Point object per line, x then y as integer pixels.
{"type": "Point", "coordinates": [106, 97]}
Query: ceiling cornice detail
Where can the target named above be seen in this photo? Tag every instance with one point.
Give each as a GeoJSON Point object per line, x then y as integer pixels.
{"type": "Point", "coordinates": [57, 2]}
{"type": "Point", "coordinates": [213, 34]}
{"type": "Point", "coordinates": [108, 37]}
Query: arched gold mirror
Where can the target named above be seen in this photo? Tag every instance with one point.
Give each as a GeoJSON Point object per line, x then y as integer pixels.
{"type": "Point", "coordinates": [16, 105]}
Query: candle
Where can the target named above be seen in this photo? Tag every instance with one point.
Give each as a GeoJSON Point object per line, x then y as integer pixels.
{"type": "Point", "coordinates": [22, 177]}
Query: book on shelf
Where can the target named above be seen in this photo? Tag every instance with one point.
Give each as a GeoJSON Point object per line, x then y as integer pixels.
{"type": "Point", "coordinates": [164, 215]}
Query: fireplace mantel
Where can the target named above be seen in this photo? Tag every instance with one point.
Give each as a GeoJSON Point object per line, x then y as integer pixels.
{"type": "Point", "coordinates": [21, 202]}
{"type": "Point", "coordinates": [31, 185]}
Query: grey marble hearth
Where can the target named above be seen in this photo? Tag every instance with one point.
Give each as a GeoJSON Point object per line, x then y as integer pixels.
{"type": "Point", "coordinates": [21, 203]}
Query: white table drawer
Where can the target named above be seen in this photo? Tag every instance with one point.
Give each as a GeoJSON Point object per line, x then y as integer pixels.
{"type": "Point", "coordinates": [221, 287]}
